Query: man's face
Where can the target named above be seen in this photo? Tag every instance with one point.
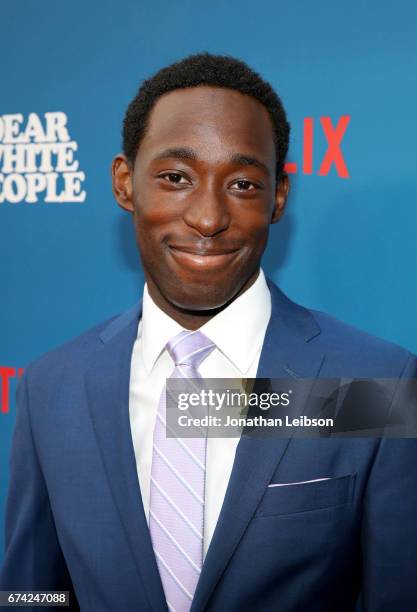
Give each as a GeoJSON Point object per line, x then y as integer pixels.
{"type": "Point", "coordinates": [203, 195]}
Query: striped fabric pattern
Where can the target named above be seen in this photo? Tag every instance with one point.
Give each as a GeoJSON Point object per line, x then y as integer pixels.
{"type": "Point", "coordinates": [176, 513]}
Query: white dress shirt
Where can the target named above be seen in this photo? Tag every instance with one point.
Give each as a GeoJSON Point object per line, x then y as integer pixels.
{"type": "Point", "coordinates": [238, 332]}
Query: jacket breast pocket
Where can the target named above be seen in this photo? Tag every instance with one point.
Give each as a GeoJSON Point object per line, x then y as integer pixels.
{"type": "Point", "coordinates": [307, 496]}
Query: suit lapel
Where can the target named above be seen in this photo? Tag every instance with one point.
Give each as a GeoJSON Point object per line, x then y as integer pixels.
{"type": "Point", "coordinates": [286, 353]}
{"type": "Point", "coordinates": [107, 383]}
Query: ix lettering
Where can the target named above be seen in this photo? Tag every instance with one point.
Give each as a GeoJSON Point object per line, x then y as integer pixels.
{"type": "Point", "coordinates": [333, 155]}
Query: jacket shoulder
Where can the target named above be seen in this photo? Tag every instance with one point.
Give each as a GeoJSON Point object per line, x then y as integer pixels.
{"type": "Point", "coordinates": [72, 356]}
{"type": "Point", "coordinates": [348, 344]}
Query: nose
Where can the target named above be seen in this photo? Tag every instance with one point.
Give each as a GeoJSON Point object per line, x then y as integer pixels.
{"type": "Point", "coordinates": [207, 213]}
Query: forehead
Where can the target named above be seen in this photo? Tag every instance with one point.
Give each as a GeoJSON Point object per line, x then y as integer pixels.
{"type": "Point", "coordinates": [211, 120]}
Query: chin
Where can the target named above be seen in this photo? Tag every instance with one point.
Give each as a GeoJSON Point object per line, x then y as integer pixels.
{"type": "Point", "coordinates": [201, 296]}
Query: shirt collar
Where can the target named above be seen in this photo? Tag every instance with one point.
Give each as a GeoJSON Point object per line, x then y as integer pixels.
{"type": "Point", "coordinates": [155, 328]}
{"type": "Point", "coordinates": [238, 330]}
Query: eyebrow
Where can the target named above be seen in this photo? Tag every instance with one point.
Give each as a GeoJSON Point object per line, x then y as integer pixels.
{"type": "Point", "coordinates": [240, 159]}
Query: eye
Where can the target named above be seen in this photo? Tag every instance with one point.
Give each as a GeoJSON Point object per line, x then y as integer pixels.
{"type": "Point", "coordinates": [244, 185]}
{"type": "Point", "coordinates": [174, 178]}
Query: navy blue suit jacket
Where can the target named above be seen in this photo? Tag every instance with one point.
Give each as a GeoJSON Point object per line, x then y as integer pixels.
{"type": "Point", "coordinates": [75, 519]}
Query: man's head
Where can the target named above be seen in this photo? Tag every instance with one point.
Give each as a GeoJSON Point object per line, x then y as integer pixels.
{"type": "Point", "coordinates": [204, 144]}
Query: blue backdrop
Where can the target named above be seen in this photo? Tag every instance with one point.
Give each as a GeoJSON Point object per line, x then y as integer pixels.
{"type": "Point", "coordinates": [346, 73]}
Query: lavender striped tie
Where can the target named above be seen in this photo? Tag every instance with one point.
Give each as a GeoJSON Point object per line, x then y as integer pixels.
{"type": "Point", "coordinates": [176, 513]}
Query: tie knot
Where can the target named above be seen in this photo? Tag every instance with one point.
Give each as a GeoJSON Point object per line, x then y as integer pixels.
{"type": "Point", "coordinates": [189, 348]}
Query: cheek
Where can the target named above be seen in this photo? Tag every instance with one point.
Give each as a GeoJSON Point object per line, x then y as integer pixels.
{"type": "Point", "coordinates": [147, 239]}
{"type": "Point", "coordinates": [253, 226]}
{"type": "Point", "coordinates": [154, 212]}
{"type": "Point", "coordinates": [152, 222]}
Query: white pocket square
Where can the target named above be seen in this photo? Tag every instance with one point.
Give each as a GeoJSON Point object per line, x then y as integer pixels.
{"type": "Point", "coordinates": [288, 484]}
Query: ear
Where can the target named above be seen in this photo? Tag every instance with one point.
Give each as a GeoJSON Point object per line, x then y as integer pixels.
{"type": "Point", "coordinates": [281, 195]}
{"type": "Point", "coordinates": [121, 173]}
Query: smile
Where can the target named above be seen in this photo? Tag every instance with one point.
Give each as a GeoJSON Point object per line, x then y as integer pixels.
{"type": "Point", "coordinates": [201, 259]}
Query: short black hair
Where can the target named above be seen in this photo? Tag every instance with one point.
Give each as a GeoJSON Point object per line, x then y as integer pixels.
{"type": "Point", "coordinates": [204, 69]}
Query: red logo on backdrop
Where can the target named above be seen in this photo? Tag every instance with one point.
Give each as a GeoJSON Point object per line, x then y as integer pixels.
{"type": "Point", "coordinates": [6, 374]}
{"type": "Point", "coordinates": [333, 157]}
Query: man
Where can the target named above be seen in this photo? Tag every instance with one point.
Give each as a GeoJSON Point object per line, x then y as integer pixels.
{"type": "Point", "coordinates": [101, 503]}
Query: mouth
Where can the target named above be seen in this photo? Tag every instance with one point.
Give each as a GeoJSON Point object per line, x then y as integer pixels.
{"type": "Point", "coordinates": [202, 259]}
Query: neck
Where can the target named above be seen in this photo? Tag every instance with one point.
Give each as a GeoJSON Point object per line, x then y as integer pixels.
{"type": "Point", "coordinates": [191, 319]}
